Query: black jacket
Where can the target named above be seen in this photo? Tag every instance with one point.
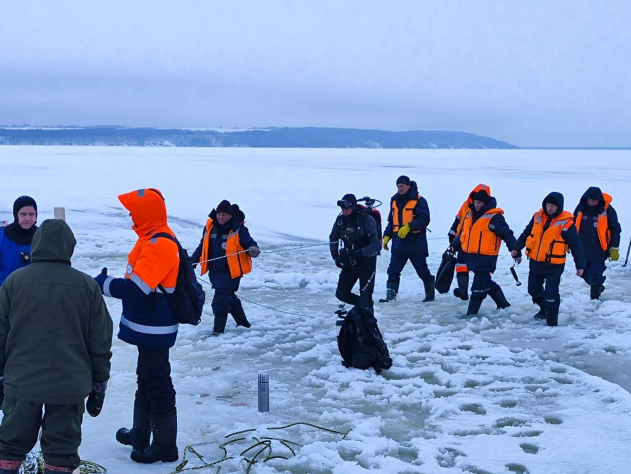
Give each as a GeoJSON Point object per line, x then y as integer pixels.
{"type": "Point", "coordinates": [413, 242]}
{"type": "Point", "coordinates": [570, 235]}
{"type": "Point", "coordinates": [588, 233]}
{"type": "Point", "coordinates": [358, 232]}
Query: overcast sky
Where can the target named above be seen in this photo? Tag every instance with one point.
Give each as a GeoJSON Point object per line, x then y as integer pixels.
{"type": "Point", "coordinates": [533, 73]}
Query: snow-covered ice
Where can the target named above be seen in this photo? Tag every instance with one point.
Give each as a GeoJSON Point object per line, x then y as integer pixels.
{"type": "Point", "coordinates": [497, 393]}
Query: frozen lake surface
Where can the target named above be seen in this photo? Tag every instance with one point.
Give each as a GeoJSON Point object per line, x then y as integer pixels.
{"type": "Point", "coordinates": [497, 393]}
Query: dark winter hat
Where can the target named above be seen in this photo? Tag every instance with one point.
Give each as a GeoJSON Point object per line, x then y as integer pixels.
{"type": "Point", "coordinates": [482, 195]}
{"type": "Point", "coordinates": [594, 193]}
{"type": "Point", "coordinates": [225, 207]}
{"type": "Point", "coordinates": [349, 200]}
{"type": "Point", "coordinates": [23, 201]}
{"type": "Point", "coordinates": [551, 199]}
{"type": "Point", "coordinates": [404, 180]}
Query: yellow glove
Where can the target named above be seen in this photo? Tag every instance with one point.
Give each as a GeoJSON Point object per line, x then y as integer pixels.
{"type": "Point", "coordinates": [614, 255]}
{"type": "Point", "coordinates": [386, 239]}
{"type": "Point", "coordinates": [404, 231]}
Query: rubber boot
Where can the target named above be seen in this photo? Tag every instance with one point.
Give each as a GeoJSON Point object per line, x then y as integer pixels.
{"type": "Point", "coordinates": [595, 291]}
{"type": "Point", "coordinates": [497, 295]}
{"type": "Point", "coordinates": [391, 292]}
{"type": "Point", "coordinates": [238, 314]}
{"type": "Point", "coordinates": [552, 317]}
{"type": "Point", "coordinates": [163, 446]}
{"type": "Point", "coordinates": [474, 306]}
{"type": "Point", "coordinates": [220, 323]}
{"type": "Point", "coordinates": [542, 309]}
{"type": "Point", "coordinates": [430, 294]}
{"type": "Point", "coordinates": [462, 291]}
{"type": "Point", "coordinates": [138, 436]}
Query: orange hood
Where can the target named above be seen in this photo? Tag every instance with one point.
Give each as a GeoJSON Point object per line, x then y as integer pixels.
{"type": "Point", "coordinates": [147, 209]}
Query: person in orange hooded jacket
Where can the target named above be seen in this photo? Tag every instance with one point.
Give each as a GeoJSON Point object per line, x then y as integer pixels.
{"type": "Point", "coordinates": [149, 323]}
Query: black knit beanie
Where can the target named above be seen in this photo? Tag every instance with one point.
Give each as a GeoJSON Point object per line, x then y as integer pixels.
{"type": "Point", "coordinates": [225, 207]}
{"type": "Point", "coordinates": [23, 201]}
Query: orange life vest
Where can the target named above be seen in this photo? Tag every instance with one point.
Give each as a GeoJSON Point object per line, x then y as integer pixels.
{"type": "Point", "coordinates": [239, 265]}
{"type": "Point", "coordinates": [548, 246]}
{"type": "Point", "coordinates": [604, 234]}
{"type": "Point", "coordinates": [478, 237]}
{"type": "Point", "coordinates": [407, 215]}
{"type": "Point", "coordinates": [462, 213]}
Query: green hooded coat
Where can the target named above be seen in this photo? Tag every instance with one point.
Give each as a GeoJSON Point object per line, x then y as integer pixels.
{"type": "Point", "coordinates": [55, 330]}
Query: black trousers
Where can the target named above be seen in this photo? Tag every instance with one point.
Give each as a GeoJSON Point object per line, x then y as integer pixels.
{"type": "Point", "coordinates": [61, 431]}
{"type": "Point", "coordinates": [155, 387]}
{"type": "Point", "coordinates": [547, 296]}
{"type": "Point", "coordinates": [482, 284]}
{"type": "Point", "coordinates": [364, 270]}
{"type": "Point", "coordinates": [397, 262]}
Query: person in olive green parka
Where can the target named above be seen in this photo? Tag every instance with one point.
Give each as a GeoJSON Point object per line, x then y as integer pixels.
{"type": "Point", "coordinates": [55, 350]}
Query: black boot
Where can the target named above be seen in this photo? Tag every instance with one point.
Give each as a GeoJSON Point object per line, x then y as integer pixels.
{"type": "Point", "coordinates": [238, 314]}
{"type": "Point", "coordinates": [497, 295]}
{"type": "Point", "coordinates": [391, 292]}
{"type": "Point", "coordinates": [462, 291]}
{"type": "Point", "coordinates": [430, 294]}
{"type": "Point", "coordinates": [474, 306]}
{"type": "Point", "coordinates": [552, 317]}
{"type": "Point", "coordinates": [163, 446]}
{"type": "Point", "coordinates": [595, 291]}
{"type": "Point", "coordinates": [542, 309]}
{"type": "Point", "coordinates": [220, 324]}
{"type": "Point", "coordinates": [138, 436]}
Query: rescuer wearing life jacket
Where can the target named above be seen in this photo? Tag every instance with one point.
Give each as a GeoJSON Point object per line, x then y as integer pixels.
{"type": "Point", "coordinates": [483, 229]}
{"type": "Point", "coordinates": [462, 272]}
{"type": "Point", "coordinates": [597, 224]}
{"type": "Point", "coordinates": [225, 235]}
{"type": "Point", "coordinates": [407, 229]}
{"type": "Point", "coordinates": [149, 324]}
{"type": "Point", "coordinates": [358, 257]}
{"type": "Point", "coordinates": [547, 237]}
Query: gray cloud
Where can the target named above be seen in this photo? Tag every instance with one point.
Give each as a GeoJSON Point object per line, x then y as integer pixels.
{"type": "Point", "coordinates": [532, 73]}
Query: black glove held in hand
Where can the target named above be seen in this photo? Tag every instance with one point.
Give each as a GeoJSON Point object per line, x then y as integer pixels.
{"type": "Point", "coordinates": [95, 403]}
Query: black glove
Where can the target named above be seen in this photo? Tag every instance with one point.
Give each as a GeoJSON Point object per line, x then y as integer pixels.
{"type": "Point", "coordinates": [339, 260]}
{"type": "Point", "coordinates": [96, 398]}
{"type": "Point", "coordinates": [101, 277]}
{"type": "Point", "coordinates": [451, 237]}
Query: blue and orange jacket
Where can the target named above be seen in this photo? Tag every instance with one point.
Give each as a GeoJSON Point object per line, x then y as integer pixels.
{"type": "Point", "coordinates": [147, 319]}
{"type": "Point", "coordinates": [231, 239]}
{"type": "Point", "coordinates": [547, 239]}
{"type": "Point", "coordinates": [481, 236]}
{"type": "Point", "coordinates": [598, 226]}
{"type": "Point", "coordinates": [411, 209]}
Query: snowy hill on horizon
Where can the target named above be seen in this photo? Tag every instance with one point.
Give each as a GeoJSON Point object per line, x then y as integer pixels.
{"type": "Point", "coordinates": [272, 137]}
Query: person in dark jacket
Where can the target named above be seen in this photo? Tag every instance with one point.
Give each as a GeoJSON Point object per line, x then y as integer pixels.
{"type": "Point", "coordinates": [55, 350]}
{"type": "Point", "coordinates": [546, 238]}
{"type": "Point", "coordinates": [149, 324]}
{"type": "Point", "coordinates": [483, 230]}
{"type": "Point", "coordinates": [225, 235]}
{"type": "Point", "coordinates": [407, 228]}
{"type": "Point", "coordinates": [599, 229]}
{"type": "Point", "coordinates": [357, 259]}
{"type": "Point", "coordinates": [16, 238]}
